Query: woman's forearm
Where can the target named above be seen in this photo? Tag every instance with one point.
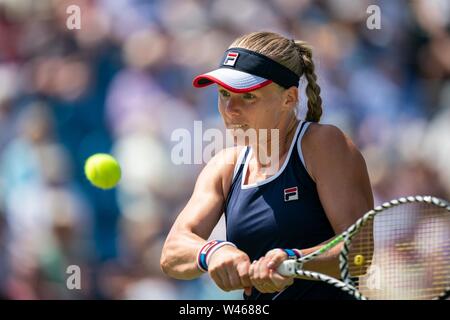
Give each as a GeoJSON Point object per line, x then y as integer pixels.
{"type": "Point", "coordinates": [179, 255]}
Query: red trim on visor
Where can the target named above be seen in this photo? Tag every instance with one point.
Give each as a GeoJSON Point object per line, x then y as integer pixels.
{"type": "Point", "coordinates": [226, 86]}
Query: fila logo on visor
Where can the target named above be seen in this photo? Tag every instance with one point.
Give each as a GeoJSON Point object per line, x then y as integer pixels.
{"type": "Point", "coordinates": [231, 59]}
{"type": "Point", "coordinates": [290, 194]}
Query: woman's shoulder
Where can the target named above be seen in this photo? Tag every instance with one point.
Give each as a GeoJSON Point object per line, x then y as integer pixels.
{"type": "Point", "coordinates": [225, 160]}
{"type": "Point", "coordinates": [324, 142]}
{"type": "Point", "coordinates": [222, 165]}
{"type": "Point", "coordinates": [325, 135]}
{"type": "Point", "coordinates": [227, 157]}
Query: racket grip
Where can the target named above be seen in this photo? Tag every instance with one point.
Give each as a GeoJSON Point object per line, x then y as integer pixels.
{"type": "Point", "coordinates": [288, 268]}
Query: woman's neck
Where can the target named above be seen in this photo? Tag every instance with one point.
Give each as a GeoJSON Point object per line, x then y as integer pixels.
{"type": "Point", "coordinates": [270, 153]}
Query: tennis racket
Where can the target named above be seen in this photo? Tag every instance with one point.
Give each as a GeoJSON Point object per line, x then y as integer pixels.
{"type": "Point", "coordinates": [399, 250]}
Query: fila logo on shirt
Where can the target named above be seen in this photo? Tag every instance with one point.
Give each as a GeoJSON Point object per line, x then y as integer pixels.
{"type": "Point", "coordinates": [231, 59]}
{"type": "Point", "coordinates": [290, 194]}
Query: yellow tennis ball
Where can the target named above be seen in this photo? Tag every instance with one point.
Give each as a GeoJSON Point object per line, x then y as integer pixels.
{"type": "Point", "coordinates": [102, 170]}
{"type": "Point", "coordinates": [358, 260]}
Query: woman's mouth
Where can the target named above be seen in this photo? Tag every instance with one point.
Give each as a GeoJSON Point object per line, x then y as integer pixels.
{"type": "Point", "coordinates": [237, 126]}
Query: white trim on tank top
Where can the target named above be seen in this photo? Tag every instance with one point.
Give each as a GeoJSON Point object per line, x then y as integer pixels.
{"type": "Point", "coordinates": [262, 182]}
{"type": "Point", "coordinates": [299, 143]}
{"type": "Point", "coordinates": [239, 161]}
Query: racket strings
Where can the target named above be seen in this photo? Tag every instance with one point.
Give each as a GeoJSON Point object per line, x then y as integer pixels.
{"type": "Point", "coordinates": [403, 253]}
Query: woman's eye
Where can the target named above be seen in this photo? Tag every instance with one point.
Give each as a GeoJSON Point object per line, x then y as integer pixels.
{"type": "Point", "coordinates": [224, 93]}
{"type": "Point", "coordinates": [249, 96]}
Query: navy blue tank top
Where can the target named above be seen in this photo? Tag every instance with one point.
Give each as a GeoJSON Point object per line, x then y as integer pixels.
{"type": "Point", "coordinates": [283, 211]}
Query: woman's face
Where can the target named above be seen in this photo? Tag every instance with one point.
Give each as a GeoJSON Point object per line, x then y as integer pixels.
{"type": "Point", "coordinates": [259, 109]}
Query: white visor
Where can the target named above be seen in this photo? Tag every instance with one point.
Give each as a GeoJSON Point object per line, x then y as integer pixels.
{"type": "Point", "coordinates": [231, 79]}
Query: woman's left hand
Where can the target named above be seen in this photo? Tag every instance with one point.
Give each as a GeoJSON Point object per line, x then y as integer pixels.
{"type": "Point", "coordinates": [263, 272]}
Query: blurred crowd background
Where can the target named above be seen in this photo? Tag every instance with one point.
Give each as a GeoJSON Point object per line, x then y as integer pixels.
{"type": "Point", "coordinates": [121, 85]}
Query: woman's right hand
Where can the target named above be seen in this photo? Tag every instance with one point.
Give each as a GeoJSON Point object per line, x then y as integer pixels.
{"type": "Point", "coordinates": [229, 269]}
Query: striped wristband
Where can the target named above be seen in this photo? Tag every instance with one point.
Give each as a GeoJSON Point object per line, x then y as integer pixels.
{"type": "Point", "coordinates": [215, 248]}
{"type": "Point", "coordinates": [293, 253]}
{"type": "Point", "coordinates": [207, 250]}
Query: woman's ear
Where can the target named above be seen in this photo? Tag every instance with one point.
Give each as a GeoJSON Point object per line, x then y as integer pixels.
{"type": "Point", "coordinates": [290, 98]}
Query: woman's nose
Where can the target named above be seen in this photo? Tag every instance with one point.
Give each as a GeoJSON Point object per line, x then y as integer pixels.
{"type": "Point", "coordinates": [232, 106]}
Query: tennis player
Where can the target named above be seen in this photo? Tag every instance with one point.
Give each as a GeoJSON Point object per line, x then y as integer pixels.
{"type": "Point", "coordinates": [321, 186]}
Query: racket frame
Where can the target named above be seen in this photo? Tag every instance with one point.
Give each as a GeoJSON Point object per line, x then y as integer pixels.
{"type": "Point", "coordinates": [295, 267]}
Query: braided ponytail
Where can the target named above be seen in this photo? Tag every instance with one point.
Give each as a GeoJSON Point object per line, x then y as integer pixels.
{"type": "Point", "coordinates": [312, 89]}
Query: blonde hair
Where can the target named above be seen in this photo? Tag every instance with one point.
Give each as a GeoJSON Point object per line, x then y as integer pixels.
{"type": "Point", "coordinates": [293, 54]}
